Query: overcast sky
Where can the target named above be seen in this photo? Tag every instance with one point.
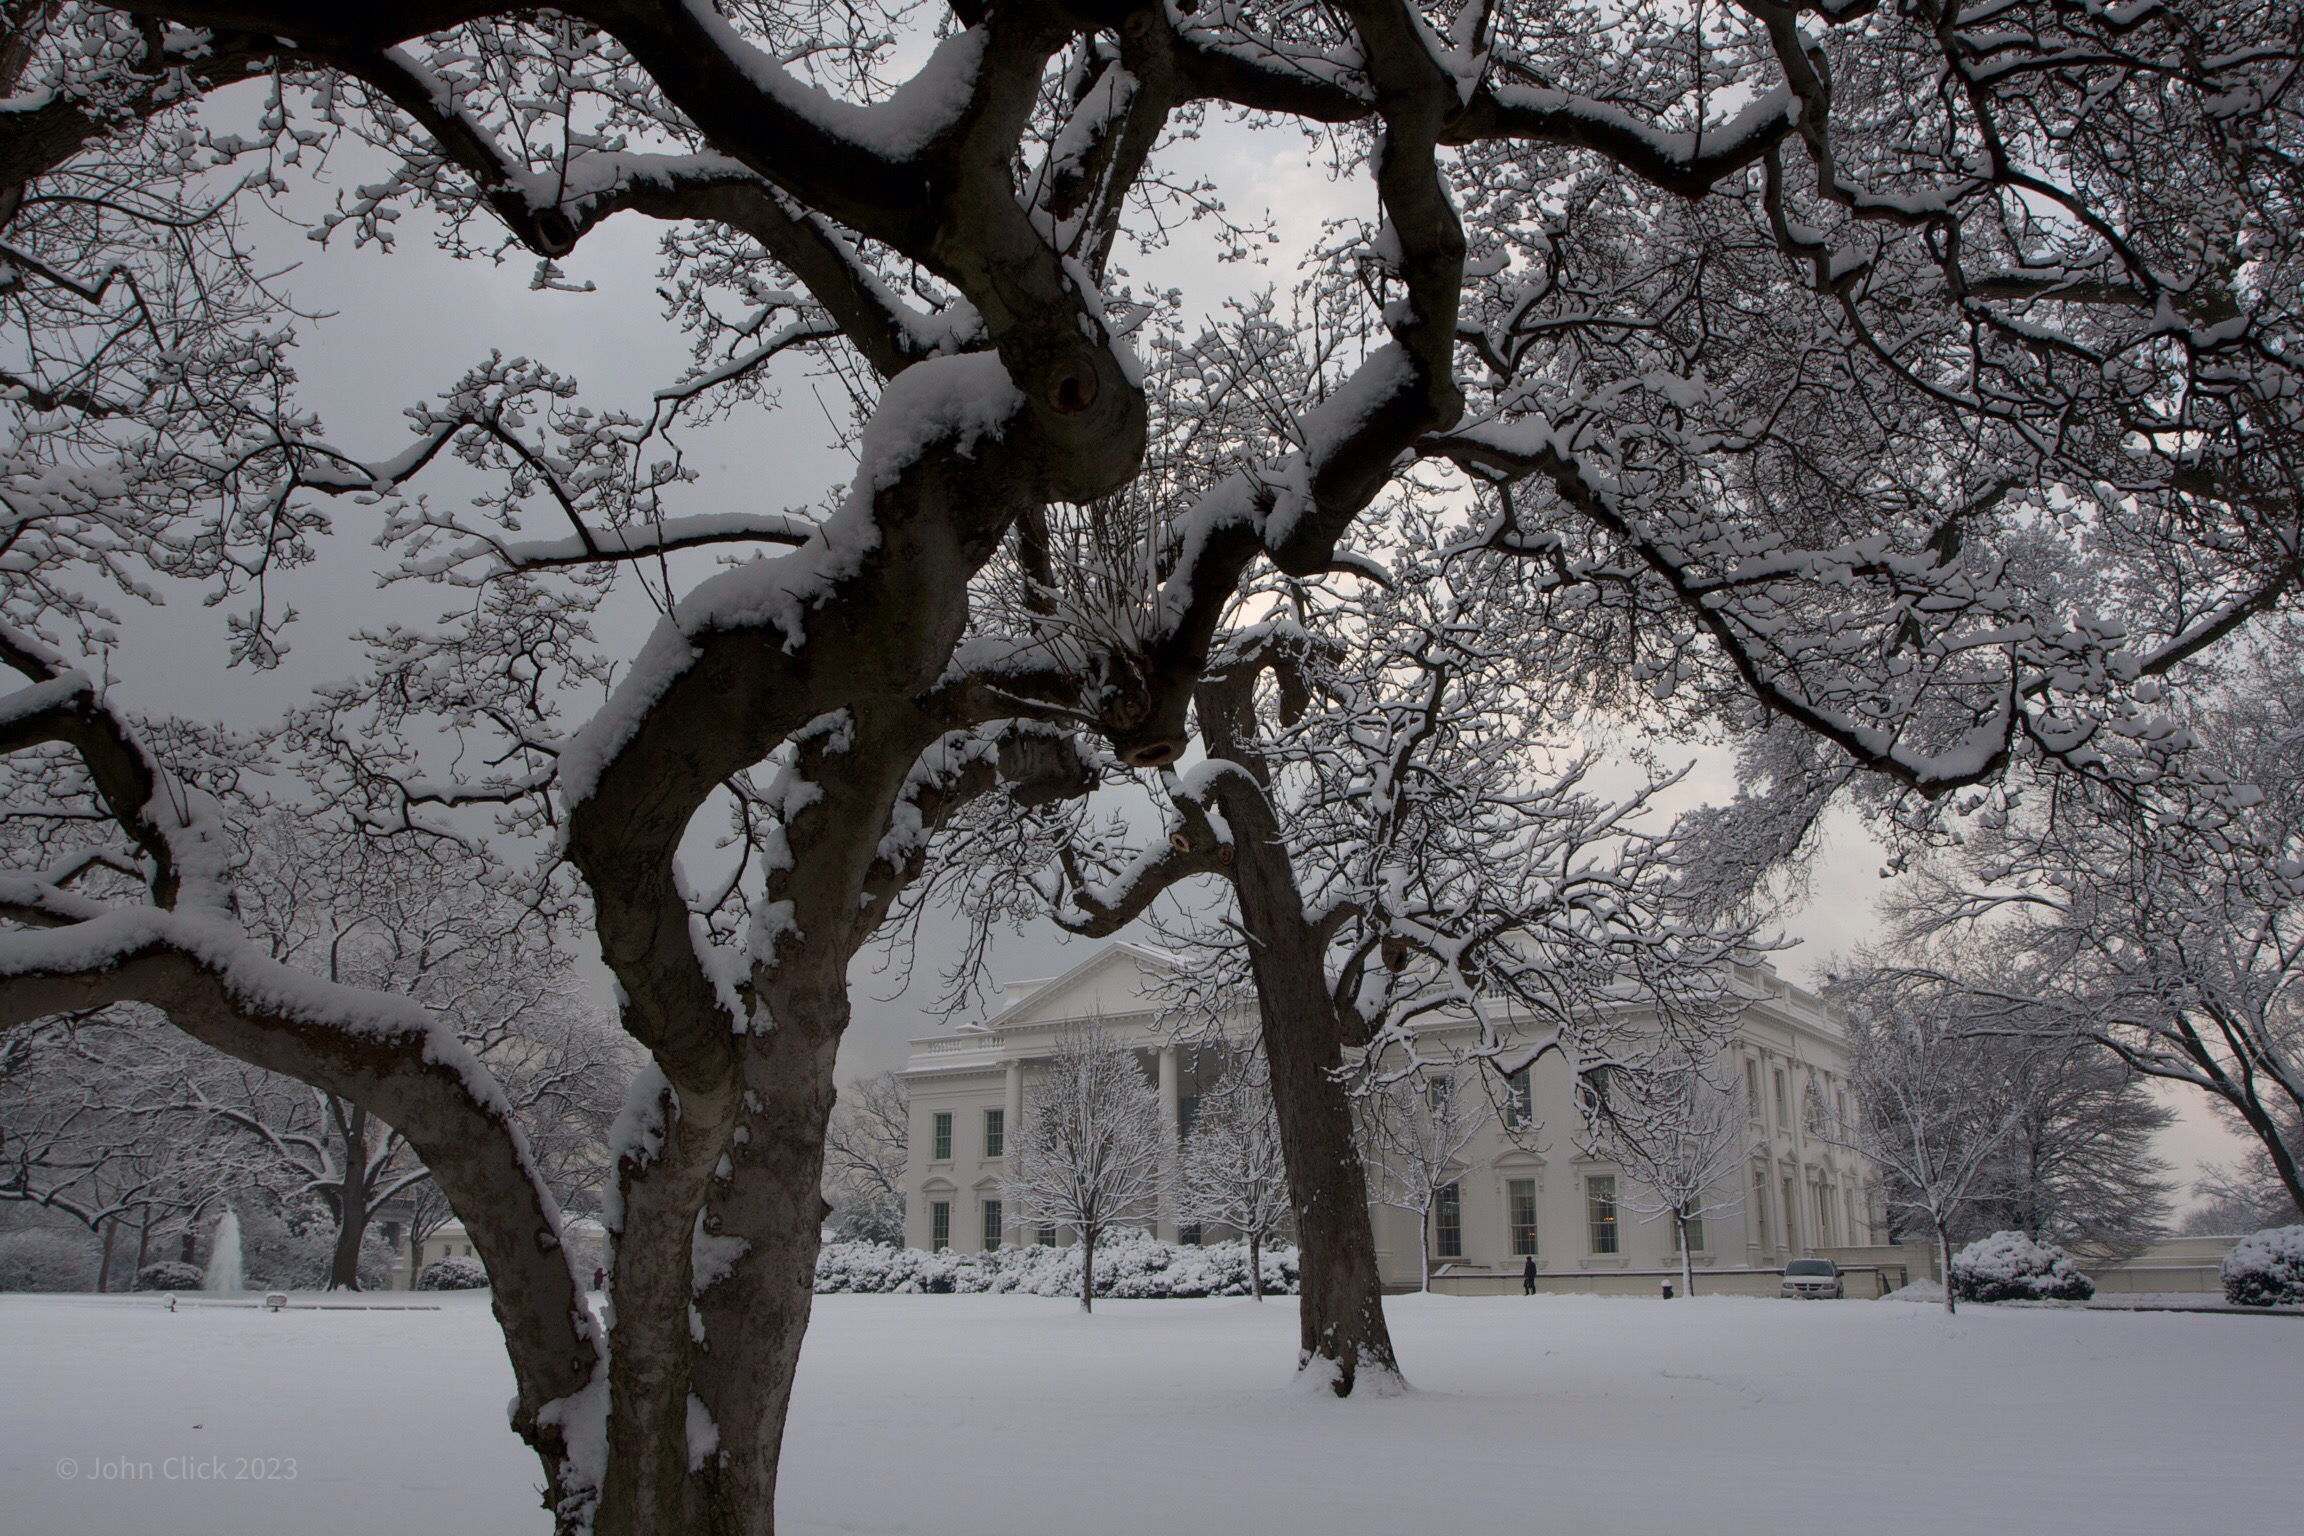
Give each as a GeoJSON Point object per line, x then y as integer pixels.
{"type": "Point", "coordinates": [404, 325]}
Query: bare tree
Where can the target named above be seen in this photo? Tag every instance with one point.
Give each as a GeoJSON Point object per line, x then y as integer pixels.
{"type": "Point", "coordinates": [1234, 1170]}
{"type": "Point", "coordinates": [1681, 1136]}
{"type": "Point", "coordinates": [432, 922]}
{"type": "Point", "coordinates": [1092, 1153]}
{"type": "Point", "coordinates": [1418, 1129]}
{"type": "Point", "coordinates": [865, 1146]}
{"type": "Point", "coordinates": [1400, 847]}
{"type": "Point", "coordinates": [2154, 910]}
{"type": "Point", "coordinates": [2242, 1196]}
{"type": "Point", "coordinates": [1934, 1114]}
{"type": "Point", "coordinates": [89, 1129]}
{"type": "Point", "coordinates": [2078, 1169]}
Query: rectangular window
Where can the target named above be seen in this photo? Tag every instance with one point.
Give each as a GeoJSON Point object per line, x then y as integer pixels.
{"type": "Point", "coordinates": [1791, 1210]}
{"type": "Point", "coordinates": [1695, 1234]}
{"type": "Point", "coordinates": [1760, 1205]}
{"type": "Point", "coordinates": [1752, 1089]}
{"type": "Point", "coordinates": [1824, 1215]}
{"type": "Point", "coordinates": [1047, 1234]}
{"type": "Point", "coordinates": [1188, 1233]}
{"type": "Point", "coordinates": [1448, 1222]}
{"type": "Point", "coordinates": [1437, 1096]}
{"type": "Point", "coordinates": [995, 1132]}
{"type": "Point", "coordinates": [991, 1225]}
{"type": "Point", "coordinates": [1783, 1100]}
{"type": "Point", "coordinates": [941, 1143]}
{"type": "Point", "coordinates": [1522, 1200]}
{"type": "Point", "coordinates": [939, 1225]}
{"type": "Point", "coordinates": [1600, 1211]}
{"type": "Point", "coordinates": [1519, 1104]}
{"type": "Point", "coordinates": [1187, 1111]}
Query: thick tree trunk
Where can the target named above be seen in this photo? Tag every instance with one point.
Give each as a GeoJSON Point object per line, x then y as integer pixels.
{"type": "Point", "coordinates": [1088, 1270]}
{"type": "Point", "coordinates": [351, 1232]}
{"type": "Point", "coordinates": [1341, 1306]}
{"type": "Point", "coordinates": [143, 1245]}
{"type": "Point", "coordinates": [1687, 1257]}
{"type": "Point", "coordinates": [646, 1489]}
{"type": "Point", "coordinates": [104, 1267]}
{"type": "Point", "coordinates": [764, 1221]}
{"type": "Point", "coordinates": [351, 1202]}
{"type": "Point", "coordinates": [1255, 1264]}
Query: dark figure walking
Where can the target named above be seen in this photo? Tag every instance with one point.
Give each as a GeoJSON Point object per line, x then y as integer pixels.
{"type": "Point", "coordinates": [1528, 1277]}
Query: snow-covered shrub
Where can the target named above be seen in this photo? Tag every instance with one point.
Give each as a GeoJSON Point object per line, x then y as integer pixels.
{"type": "Point", "coordinates": [48, 1259]}
{"type": "Point", "coordinates": [2008, 1266]}
{"type": "Point", "coordinates": [1129, 1265]}
{"type": "Point", "coordinates": [2266, 1269]}
{"type": "Point", "coordinates": [453, 1275]}
{"type": "Point", "coordinates": [169, 1275]}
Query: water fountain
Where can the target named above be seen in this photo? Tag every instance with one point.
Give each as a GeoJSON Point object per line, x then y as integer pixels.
{"type": "Point", "coordinates": [224, 1276]}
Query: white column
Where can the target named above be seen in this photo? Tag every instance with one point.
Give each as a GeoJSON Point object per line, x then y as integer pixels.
{"type": "Point", "coordinates": [1171, 1114]}
{"type": "Point", "coordinates": [1801, 1182]}
{"type": "Point", "coordinates": [1012, 1112]}
{"type": "Point", "coordinates": [1011, 1124]}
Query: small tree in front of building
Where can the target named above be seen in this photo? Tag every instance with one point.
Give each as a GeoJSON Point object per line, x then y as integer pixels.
{"type": "Point", "coordinates": [1934, 1114]}
{"type": "Point", "coordinates": [1677, 1135]}
{"type": "Point", "coordinates": [865, 1144]}
{"type": "Point", "coordinates": [1416, 1130]}
{"type": "Point", "coordinates": [1234, 1171]}
{"type": "Point", "coordinates": [1091, 1151]}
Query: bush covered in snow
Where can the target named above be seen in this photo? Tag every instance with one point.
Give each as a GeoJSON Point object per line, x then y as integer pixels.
{"type": "Point", "coordinates": [1129, 1265]}
{"type": "Point", "coordinates": [2266, 1269]}
{"type": "Point", "coordinates": [453, 1275]}
{"type": "Point", "coordinates": [170, 1275]}
{"type": "Point", "coordinates": [48, 1259]}
{"type": "Point", "coordinates": [2008, 1266]}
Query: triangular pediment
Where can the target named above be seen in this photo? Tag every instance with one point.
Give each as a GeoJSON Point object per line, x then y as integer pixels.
{"type": "Point", "coordinates": [1117, 980]}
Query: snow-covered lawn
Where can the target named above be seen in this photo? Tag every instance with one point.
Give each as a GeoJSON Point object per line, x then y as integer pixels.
{"type": "Point", "coordinates": [1007, 1415]}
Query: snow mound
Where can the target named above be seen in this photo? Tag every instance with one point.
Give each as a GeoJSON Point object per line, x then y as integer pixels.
{"type": "Point", "coordinates": [1130, 1266]}
{"type": "Point", "coordinates": [2008, 1266]}
{"type": "Point", "coordinates": [169, 1275]}
{"type": "Point", "coordinates": [1919, 1290]}
{"type": "Point", "coordinates": [2266, 1269]}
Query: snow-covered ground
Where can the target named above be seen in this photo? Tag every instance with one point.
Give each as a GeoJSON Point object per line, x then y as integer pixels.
{"type": "Point", "coordinates": [1008, 1415]}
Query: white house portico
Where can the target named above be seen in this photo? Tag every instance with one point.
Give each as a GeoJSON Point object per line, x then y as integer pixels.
{"type": "Point", "coordinates": [1521, 1190]}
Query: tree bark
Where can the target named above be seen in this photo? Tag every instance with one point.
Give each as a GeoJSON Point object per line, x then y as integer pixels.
{"type": "Point", "coordinates": [351, 1201]}
{"type": "Point", "coordinates": [646, 1489]}
{"type": "Point", "coordinates": [1687, 1256]}
{"type": "Point", "coordinates": [1341, 1304]}
{"type": "Point", "coordinates": [1255, 1264]}
{"type": "Point", "coordinates": [104, 1267]}
{"type": "Point", "coordinates": [1087, 1269]}
{"type": "Point", "coordinates": [1944, 1265]}
{"type": "Point", "coordinates": [755, 1312]}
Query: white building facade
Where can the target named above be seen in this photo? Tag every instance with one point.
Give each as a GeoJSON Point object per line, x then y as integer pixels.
{"type": "Point", "coordinates": [1518, 1193]}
